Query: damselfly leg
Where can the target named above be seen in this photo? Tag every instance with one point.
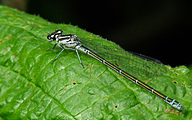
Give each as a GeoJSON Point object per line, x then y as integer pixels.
{"type": "Point", "coordinates": [52, 48]}
{"type": "Point", "coordinates": [63, 50]}
{"type": "Point", "coordinates": [77, 55]}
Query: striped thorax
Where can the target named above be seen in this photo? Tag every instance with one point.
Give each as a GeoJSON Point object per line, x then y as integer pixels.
{"type": "Point", "coordinates": [70, 40]}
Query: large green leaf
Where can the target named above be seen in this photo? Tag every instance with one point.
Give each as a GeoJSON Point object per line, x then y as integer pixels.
{"type": "Point", "coordinates": [33, 88]}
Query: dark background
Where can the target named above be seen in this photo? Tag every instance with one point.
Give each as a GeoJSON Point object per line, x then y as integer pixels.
{"type": "Point", "coordinates": [160, 29]}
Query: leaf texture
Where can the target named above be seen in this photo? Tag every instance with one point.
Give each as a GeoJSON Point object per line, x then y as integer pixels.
{"type": "Point", "coordinates": [33, 88]}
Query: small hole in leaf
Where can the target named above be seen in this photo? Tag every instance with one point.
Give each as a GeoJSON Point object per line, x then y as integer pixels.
{"type": "Point", "coordinates": [174, 82]}
{"type": "Point", "coordinates": [115, 106]}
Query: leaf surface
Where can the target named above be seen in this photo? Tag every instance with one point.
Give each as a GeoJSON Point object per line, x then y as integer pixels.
{"type": "Point", "coordinates": [33, 88]}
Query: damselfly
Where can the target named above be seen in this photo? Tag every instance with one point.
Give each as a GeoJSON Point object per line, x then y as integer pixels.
{"type": "Point", "coordinates": [71, 41]}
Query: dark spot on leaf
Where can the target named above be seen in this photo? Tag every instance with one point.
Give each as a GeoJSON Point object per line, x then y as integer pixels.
{"type": "Point", "coordinates": [90, 65]}
{"type": "Point", "coordinates": [176, 72]}
{"type": "Point", "coordinates": [144, 76]}
{"type": "Point", "coordinates": [107, 97]}
{"type": "Point", "coordinates": [4, 50]}
{"type": "Point", "coordinates": [115, 106]}
{"type": "Point", "coordinates": [174, 82]}
{"type": "Point", "coordinates": [74, 83]}
{"type": "Point", "coordinates": [9, 37]}
{"type": "Point", "coordinates": [183, 84]}
{"type": "Point", "coordinates": [88, 70]}
{"type": "Point", "coordinates": [37, 25]}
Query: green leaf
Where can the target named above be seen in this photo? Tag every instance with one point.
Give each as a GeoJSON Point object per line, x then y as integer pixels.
{"type": "Point", "coordinates": [33, 88]}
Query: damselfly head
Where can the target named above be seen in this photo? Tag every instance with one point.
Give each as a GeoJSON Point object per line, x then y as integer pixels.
{"type": "Point", "coordinates": [53, 36]}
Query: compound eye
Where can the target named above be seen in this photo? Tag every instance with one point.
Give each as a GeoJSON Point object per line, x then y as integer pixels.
{"type": "Point", "coordinates": [50, 38]}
